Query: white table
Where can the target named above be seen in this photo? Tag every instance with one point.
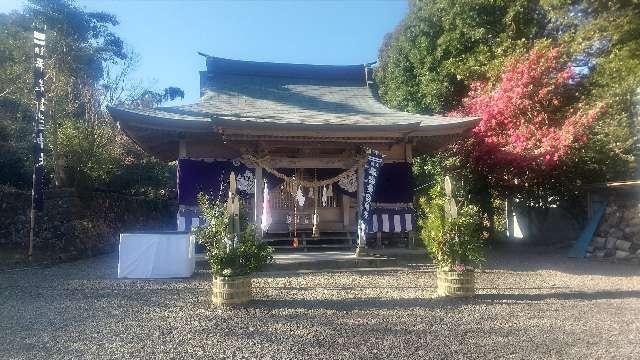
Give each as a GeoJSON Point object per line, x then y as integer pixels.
{"type": "Point", "coordinates": [156, 255]}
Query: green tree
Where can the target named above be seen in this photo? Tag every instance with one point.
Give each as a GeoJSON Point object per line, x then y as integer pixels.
{"type": "Point", "coordinates": [605, 37]}
{"type": "Point", "coordinates": [426, 64]}
{"type": "Point", "coordinates": [15, 101]}
{"type": "Point", "coordinates": [81, 139]}
{"type": "Point", "coordinates": [78, 44]}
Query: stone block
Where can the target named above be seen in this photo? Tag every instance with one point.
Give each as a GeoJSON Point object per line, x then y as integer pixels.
{"type": "Point", "coordinates": [611, 242]}
{"type": "Point", "coordinates": [622, 254]}
{"type": "Point", "coordinates": [632, 230]}
{"type": "Point", "coordinates": [600, 254]}
{"type": "Point", "coordinates": [630, 213]}
{"type": "Point", "coordinates": [623, 245]}
{"type": "Point", "coordinates": [598, 242]}
{"type": "Point", "coordinates": [616, 233]}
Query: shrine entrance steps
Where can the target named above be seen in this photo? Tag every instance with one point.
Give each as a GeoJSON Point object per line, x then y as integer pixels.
{"type": "Point", "coordinates": [344, 240]}
{"type": "Point", "coordinates": [344, 260]}
{"type": "Point", "coordinates": [304, 240]}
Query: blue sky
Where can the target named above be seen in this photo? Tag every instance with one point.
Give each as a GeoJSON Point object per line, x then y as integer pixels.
{"type": "Point", "coordinates": [167, 34]}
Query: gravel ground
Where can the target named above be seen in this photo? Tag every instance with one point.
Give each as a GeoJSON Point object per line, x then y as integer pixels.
{"type": "Point", "coordinates": [529, 306]}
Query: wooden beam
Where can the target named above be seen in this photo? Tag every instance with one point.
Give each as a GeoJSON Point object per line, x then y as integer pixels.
{"type": "Point", "coordinates": [311, 163]}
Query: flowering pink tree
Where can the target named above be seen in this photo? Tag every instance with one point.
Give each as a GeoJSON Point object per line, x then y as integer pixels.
{"type": "Point", "coordinates": [530, 121]}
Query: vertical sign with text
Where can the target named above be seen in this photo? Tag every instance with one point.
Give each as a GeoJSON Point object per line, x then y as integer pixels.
{"type": "Point", "coordinates": [371, 171]}
{"type": "Point", "coordinates": [37, 196]}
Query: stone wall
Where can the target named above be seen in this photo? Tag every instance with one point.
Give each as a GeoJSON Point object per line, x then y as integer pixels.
{"type": "Point", "coordinates": [618, 235]}
{"type": "Point", "coordinates": [80, 224]}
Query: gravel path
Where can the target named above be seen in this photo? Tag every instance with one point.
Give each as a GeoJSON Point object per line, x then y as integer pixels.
{"type": "Point", "coordinates": [529, 306]}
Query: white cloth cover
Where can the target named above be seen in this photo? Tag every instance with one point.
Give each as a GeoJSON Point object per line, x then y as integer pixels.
{"type": "Point", "coordinates": [408, 222]}
{"type": "Point", "coordinates": [385, 222]}
{"type": "Point", "coordinates": [181, 223]}
{"type": "Point", "coordinates": [156, 256]}
{"type": "Point", "coordinates": [396, 223]}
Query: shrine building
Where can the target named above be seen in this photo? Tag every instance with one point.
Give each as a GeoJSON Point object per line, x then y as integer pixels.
{"type": "Point", "coordinates": [305, 133]}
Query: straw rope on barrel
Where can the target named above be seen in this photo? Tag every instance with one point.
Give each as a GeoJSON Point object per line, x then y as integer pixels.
{"type": "Point", "coordinates": [228, 291]}
{"type": "Point", "coordinates": [454, 283]}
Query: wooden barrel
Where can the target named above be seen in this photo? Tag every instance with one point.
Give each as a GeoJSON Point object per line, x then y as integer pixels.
{"type": "Point", "coordinates": [229, 291]}
{"type": "Point", "coordinates": [453, 283]}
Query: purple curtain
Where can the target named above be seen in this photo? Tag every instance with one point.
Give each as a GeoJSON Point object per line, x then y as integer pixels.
{"type": "Point", "coordinates": [211, 178]}
{"type": "Point", "coordinates": [395, 184]}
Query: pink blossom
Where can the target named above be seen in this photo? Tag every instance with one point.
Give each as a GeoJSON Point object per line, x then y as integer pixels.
{"type": "Point", "coordinates": [526, 122]}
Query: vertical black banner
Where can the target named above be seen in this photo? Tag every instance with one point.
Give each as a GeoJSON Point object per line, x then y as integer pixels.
{"type": "Point", "coordinates": [371, 171]}
{"type": "Point", "coordinates": [37, 196]}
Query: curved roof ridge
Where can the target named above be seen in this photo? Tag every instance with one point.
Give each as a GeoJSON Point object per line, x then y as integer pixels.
{"type": "Point", "coordinates": [219, 65]}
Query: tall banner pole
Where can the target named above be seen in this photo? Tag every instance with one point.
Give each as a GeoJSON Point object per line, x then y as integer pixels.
{"type": "Point", "coordinates": [368, 186]}
{"type": "Point", "coordinates": [37, 190]}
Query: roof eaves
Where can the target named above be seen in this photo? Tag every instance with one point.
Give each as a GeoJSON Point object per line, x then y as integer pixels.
{"type": "Point", "coordinates": [159, 119]}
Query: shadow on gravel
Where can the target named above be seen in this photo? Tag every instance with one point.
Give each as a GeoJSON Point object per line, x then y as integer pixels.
{"type": "Point", "coordinates": [358, 304]}
{"type": "Point", "coordinates": [522, 261]}
{"type": "Point", "coordinates": [573, 267]}
{"type": "Point", "coordinates": [363, 271]}
{"type": "Point", "coordinates": [436, 302]}
{"type": "Point", "coordinates": [596, 295]}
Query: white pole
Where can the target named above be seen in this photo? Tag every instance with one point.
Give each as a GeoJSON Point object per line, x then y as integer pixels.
{"type": "Point", "coordinates": [258, 200]}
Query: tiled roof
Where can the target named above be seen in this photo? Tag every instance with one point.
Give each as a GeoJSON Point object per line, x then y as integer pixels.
{"type": "Point", "coordinates": [311, 94]}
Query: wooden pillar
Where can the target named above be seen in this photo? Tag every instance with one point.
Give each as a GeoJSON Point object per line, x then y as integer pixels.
{"type": "Point", "coordinates": [408, 152]}
{"type": "Point", "coordinates": [182, 149]}
{"type": "Point", "coordinates": [346, 204]}
{"type": "Point", "coordinates": [182, 154]}
{"type": "Point", "coordinates": [258, 200]}
{"type": "Point", "coordinates": [408, 157]}
{"type": "Point", "coordinates": [362, 242]}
